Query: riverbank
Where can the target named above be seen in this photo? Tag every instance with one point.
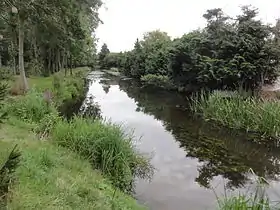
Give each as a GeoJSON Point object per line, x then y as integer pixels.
{"type": "Point", "coordinates": [251, 114]}
{"type": "Point", "coordinates": [56, 170]}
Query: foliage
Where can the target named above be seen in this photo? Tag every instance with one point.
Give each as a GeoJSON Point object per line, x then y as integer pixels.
{"type": "Point", "coordinates": [3, 92]}
{"type": "Point", "coordinates": [49, 35]}
{"type": "Point", "coordinates": [102, 56]}
{"type": "Point", "coordinates": [157, 81]}
{"type": "Point", "coordinates": [90, 109]}
{"type": "Point", "coordinates": [8, 164]}
{"type": "Point", "coordinates": [30, 108]}
{"type": "Point", "coordinates": [235, 111]}
{"type": "Point", "coordinates": [229, 52]}
{"type": "Point", "coordinates": [5, 73]}
{"type": "Point", "coordinates": [106, 147]}
{"type": "Point", "coordinates": [52, 177]}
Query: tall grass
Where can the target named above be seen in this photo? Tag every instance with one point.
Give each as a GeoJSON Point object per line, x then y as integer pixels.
{"type": "Point", "coordinates": [106, 147]}
{"type": "Point", "coordinates": [254, 200]}
{"type": "Point", "coordinates": [250, 113]}
{"type": "Point", "coordinates": [30, 108]}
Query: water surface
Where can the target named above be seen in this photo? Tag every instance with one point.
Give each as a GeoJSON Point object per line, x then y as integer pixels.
{"type": "Point", "coordinates": [191, 158]}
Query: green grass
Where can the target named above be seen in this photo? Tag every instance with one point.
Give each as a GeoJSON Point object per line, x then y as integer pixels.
{"type": "Point", "coordinates": [251, 114]}
{"type": "Point", "coordinates": [257, 200]}
{"type": "Point", "coordinates": [52, 177]}
{"type": "Point", "coordinates": [43, 83]}
{"type": "Point", "coordinates": [107, 147]}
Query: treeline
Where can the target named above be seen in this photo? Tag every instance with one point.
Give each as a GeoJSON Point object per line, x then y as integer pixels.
{"type": "Point", "coordinates": [226, 54]}
{"type": "Point", "coordinates": [44, 36]}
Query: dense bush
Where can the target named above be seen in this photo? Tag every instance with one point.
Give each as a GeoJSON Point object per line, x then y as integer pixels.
{"type": "Point", "coordinates": [107, 148]}
{"type": "Point", "coordinates": [5, 73]}
{"type": "Point", "coordinates": [157, 81]}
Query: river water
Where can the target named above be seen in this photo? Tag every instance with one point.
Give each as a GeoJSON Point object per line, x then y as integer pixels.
{"type": "Point", "coordinates": [194, 160]}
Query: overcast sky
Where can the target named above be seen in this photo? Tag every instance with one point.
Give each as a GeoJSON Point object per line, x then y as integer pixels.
{"type": "Point", "coordinates": [126, 20]}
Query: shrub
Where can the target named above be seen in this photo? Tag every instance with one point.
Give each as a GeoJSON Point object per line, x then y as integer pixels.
{"type": "Point", "coordinates": [5, 73]}
{"type": "Point", "coordinates": [9, 161]}
{"type": "Point", "coordinates": [157, 81]}
{"type": "Point", "coordinates": [3, 92]}
{"type": "Point", "coordinates": [31, 108]}
{"type": "Point", "coordinates": [107, 148]}
{"type": "Point", "coordinates": [249, 113]}
{"type": "Point", "coordinates": [47, 124]}
{"type": "Point", "coordinates": [35, 68]}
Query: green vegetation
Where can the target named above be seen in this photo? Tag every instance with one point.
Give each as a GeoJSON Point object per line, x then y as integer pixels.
{"type": "Point", "coordinates": [255, 199]}
{"type": "Point", "coordinates": [242, 202]}
{"type": "Point", "coordinates": [157, 81]}
{"type": "Point", "coordinates": [229, 52]}
{"type": "Point", "coordinates": [106, 147]}
{"type": "Point", "coordinates": [51, 177]}
{"type": "Point", "coordinates": [47, 36]}
{"type": "Point", "coordinates": [81, 163]}
{"type": "Point", "coordinates": [247, 113]}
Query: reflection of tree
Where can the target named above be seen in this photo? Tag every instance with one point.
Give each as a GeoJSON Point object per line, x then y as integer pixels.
{"type": "Point", "coordinates": [221, 151]}
{"type": "Point", "coordinates": [106, 88]}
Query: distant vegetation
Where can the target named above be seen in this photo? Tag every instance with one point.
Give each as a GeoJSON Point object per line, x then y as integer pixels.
{"type": "Point", "coordinates": [226, 54]}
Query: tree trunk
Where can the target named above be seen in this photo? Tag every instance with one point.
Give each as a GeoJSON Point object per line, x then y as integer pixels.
{"type": "Point", "coordinates": [66, 64]}
{"type": "Point", "coordinates": [20, 55]}
{"type": "Point", "coordinates": [14, 65]}
{"type": "Point", "coordinates": [71, 65]}
{"type": "Point", "coordinates": [58, 61]}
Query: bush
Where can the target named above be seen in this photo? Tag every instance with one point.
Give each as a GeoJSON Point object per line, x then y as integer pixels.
{"type": "Point", "coordinates": [9, 161]}
{"type": "Point", "coordinates": [30, 108]}
{"type": "Point", "coordinates": [157, 81]}
{"type": "Point", "coordinates": [5, 73]}
{"type": "Point", "coordinates": [107, 148]}
{"type": "Point", "coordinates": [249, 113]}
{"type": "Point", "coordinates": [3, 93]}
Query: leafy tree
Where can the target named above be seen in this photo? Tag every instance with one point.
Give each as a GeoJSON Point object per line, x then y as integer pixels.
{"type": "Point", "coordinates": [51, 35]}
{"type": "Point", "coordinates": [102, 56]}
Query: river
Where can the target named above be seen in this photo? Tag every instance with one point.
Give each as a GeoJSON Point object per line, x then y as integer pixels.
{"type": "Point", "coordinates": [194, 160]}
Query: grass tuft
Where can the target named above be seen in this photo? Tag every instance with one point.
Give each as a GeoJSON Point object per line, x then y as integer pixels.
{"type": "Point", "coordinates": [107, 147]}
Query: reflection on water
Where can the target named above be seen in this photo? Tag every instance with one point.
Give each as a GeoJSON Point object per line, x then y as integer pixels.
{"type": "Point", "coordinates": [190, 156]}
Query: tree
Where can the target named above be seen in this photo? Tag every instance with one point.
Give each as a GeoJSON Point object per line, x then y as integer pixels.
{"type": "Point", "coordinates": [102, 55]}
{"type": "Point", "coordinates": [51, 34]}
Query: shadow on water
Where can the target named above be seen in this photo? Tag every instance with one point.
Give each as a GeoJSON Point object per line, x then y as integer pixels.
{"type": "Point", "coordinates": [222, 152]}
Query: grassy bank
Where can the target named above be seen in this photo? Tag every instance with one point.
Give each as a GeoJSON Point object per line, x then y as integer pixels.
{"type": "Point", "coordinates": [250, 114]}
{"type": "Point", "coordinates": [53, 177]}
{"type": "Point", "coordinates": [81, 164]}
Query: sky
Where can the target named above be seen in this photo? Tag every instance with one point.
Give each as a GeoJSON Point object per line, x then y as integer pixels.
{"type": "Point", "coordinates": [127, 20]}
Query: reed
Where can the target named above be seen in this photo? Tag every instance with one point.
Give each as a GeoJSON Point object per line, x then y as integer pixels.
{"type": "Point", "coordinates": [249, 113]}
